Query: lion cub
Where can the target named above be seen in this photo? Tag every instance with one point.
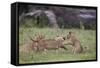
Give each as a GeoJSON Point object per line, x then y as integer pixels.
{"type": "Point", "coordinates": [73, 40]}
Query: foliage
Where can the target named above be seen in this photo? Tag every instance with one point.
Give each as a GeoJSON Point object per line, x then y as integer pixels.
{"type": "Point", "coordinates": [43, 22]}
{"type": "Point", "coordinates": [65, 17]}
{"type": "Point", "coordinates": [82, 26]}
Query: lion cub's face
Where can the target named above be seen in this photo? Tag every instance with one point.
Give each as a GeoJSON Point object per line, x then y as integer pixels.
{"type": "Point", "coordinates": [71, 35]}
{"type": "Point", "coordinates": [39, 37]}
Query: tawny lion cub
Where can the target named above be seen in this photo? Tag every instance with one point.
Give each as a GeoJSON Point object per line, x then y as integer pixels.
{"type": "Point", "coordinates": [73, 40]}
{"type": "Point", "coordinates": [48, 44]}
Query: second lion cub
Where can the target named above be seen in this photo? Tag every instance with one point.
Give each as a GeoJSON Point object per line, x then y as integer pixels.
{"type": "Point", "coordinates": [73, 40]}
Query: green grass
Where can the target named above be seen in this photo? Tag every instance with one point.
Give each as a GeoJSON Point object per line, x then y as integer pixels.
{"type": "Point", "coordinates": [87, 38]}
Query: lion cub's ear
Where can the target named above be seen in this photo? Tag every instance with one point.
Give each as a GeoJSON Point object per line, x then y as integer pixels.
{"type": "Point", "coordinates": [70, 32]}
{"type": "Point", "coordinates": [64, 38]}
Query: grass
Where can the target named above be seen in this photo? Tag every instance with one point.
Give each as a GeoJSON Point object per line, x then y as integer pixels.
{"type": "Point", "coordinates": [87, 38]}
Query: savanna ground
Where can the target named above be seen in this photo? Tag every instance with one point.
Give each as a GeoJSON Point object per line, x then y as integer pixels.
{"type": "Point", "coordinates": [87, 38]}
